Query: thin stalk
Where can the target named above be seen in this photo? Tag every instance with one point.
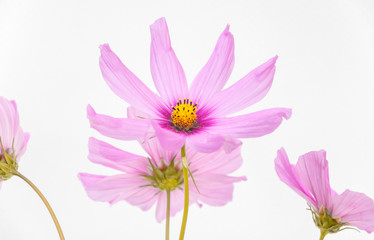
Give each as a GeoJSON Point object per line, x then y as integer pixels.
{"type": "Point", "coordinates": [186, 192]}
{"type": "Point", "coordinates": [323, 235]}
{"type": "Point", "coordinates": [45, 203]}
{"type": "Point", "coordinates": [167, 230]}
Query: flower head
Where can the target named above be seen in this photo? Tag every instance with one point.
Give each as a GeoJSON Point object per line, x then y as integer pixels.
{"type": "Point", "coordinates": [145, 180]}
{"type": "Point", "coordinates": [331, 211]}
{"type": "Point", "coordinates": [196, 114]}
{"type": "Point", "coordinates": [13, 140]}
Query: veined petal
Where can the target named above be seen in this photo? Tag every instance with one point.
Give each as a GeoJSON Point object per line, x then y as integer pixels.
{"type": "Point", "coordinates": [215, 189]}
{"type": "Point", "coordinates": [167, 72]}
{"type": "Point", "coordinates": [109, 156]}
{"type": "Point", "coordinates": [11, 133]}
{"type": "Point", "coordinates": [218, 162]}
{"type": "Point", "coordinates": [205, 142]}
{"type": "Point", "coordinates": [153, 147]}
{"type": "Point", "coordinates": [119, 128]}
{"type": "Point", "coordinates": [176, 204]}
{"type": "Point", "coordinates": [247, 91]}
{"type": "Point", "coordinates": [125, 84]}
{"type": "Point", "coordinates": [108, 189]}
{"type": "Point", "coordinates": [214, 75]}
{"type": "Point", "coordinates": [354, 208]}
{"type": "Point", "coordinates": [169, 140]}
{"type": "Point", "coordinates": [254, 124]}
{"type": "Point", "coordinates": [289, 176]}
{"type": "Point", "coordinates": [313, 171]}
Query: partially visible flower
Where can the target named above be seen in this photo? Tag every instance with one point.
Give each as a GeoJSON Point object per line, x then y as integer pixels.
{"type": "Point", "coordinates": [196, 114]}
{"type": "Point", "coordinates": [144, 181]}
{"type": "Point", "coordinates": [12, 139]}
{"type": "Point", "coordinates": [332, 212]}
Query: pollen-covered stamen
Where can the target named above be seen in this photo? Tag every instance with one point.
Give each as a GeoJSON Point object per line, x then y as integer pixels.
{"type": "Point", "coordinates": [184, 116]}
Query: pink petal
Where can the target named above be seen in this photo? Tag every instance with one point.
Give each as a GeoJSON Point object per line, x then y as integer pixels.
{"type": "Point", "coordinates": [119, 187]}
{"type": "Point", "coordinates": [119, 128]}
{"type": "Point", "coordinates": [215, 189]}
{"type": "Point", "coordinates": [11, 133]}
{"type": "Point", "coordinates": [153, 147]}
{"type": "Point", "coordinates": [167, 72]}
{"type": "Point", "coordinates": [125, 84]}
{"type": "Point", "coordinates": [231, 144]}
{"type": "Point", "coordinates": [313, 171]}
{"type": "Point", "coordinates": [218, 162]}
{"type": "Point", "coordinates": [107, 155]}
{"type": "Point", "coordinates": [214, 75]}
{"type": "Point", "coordinates": [205, 142]}
{"type": "Point", "coordinates": [176, 204]}
{"type": "Point", "coordinates": [354, 208]}
{"type": "Point", "coordinates": [169, 140]}
{"type": "Point", "coordinates": [247, 91]}
{"type": "Point", "coordinates": [289, 176]}
{"type": "Point", "coordinates": [251, 125]}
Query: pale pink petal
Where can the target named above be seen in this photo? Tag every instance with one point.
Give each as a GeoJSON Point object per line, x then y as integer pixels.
{"type": "Point", "coordinates": [11, 133]}
{"type": "Point", "coordinates": [108, 189]}
{"type": "Point", "coordinates": [231, 144]}
{"type": "Point", "coordinates": [144, 198]}
{"type": "Point", "coordinates": [247, 91]}
{"type": "Point", "coordinates": [289, 176]}
{"type": "Point", "coordinates": [215, 189]}
{"type": "Point", "coordinates": [119, 128]}
{"type": "Point", "coordinates": [167, 72]}
{"type": "Point", "coordinates": [205, 142]}
{"type": "Point", "coordinates": [116, 188]}
{"type": "Point", "coordinates": [125, 84]}
{"type": "Point", "coordinates": [218, 162]}
{"type": "Point", "coordinates": [214, 75]}
{"type": "Point", "coordinates": [354, 208]}
{"type": "Point", "coordinates": [312, 169]}
{"type": "Point", "coordinates": [169, 140]}
{"type": "Point", "coordinates": [254, 124]}
{"type": "Point", "coordinates": [176, 204]}
{"type": "Point", "coordinates": [153, 147]}
{"type": "Point", "coordinates": [107, 155]}
{"type": "Point", "coordinates": [161, 207]}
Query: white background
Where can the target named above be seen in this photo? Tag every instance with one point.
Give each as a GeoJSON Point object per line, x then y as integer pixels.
{"type": "Point", "coordinates": [49, 65]}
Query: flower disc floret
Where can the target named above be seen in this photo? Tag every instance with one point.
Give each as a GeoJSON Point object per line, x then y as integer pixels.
{"type": "Point", "coordinates": [184, 116]}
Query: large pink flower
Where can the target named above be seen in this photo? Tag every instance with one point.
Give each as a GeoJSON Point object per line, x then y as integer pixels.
{"type": "Point", "coordinates": [13, 139]}
{"type": "Point", "coordinates": [196, 114]}
{"type": "Point", "coordinates": [310, 179]}
{"type": "Point", "coordinates": [143, 186]}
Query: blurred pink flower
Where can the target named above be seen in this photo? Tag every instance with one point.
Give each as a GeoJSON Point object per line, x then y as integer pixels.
{"type": "Point", "coordinates": [196, 114]}
{"type": "Point", "coordinates": [310, 179]}
{"type": "Point", "coordinates": [13, 139]}
{"type": "Point", "coordinates": [137, 184]}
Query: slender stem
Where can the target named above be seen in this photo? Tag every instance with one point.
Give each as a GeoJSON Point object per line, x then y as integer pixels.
{"type": "Point", "coordinates": [167, 215]}
{"type": "Point", "coordinates": [44, 201]}
{"type": "Point", "coordinates": [323, 235]}
{"type": "Point", "coordinates": [186, 192]}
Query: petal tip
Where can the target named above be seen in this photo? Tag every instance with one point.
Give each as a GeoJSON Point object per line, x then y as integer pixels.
{"type": "Point", "coordinates": [90, 111]}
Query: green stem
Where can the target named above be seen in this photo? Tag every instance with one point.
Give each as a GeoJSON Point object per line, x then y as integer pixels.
{"type": "Point", "coordinates": [167, 215]}
{"type": "Point", "coordinates": [44, 201]}
{"type": "Point", "coordinates": [186, 192]}
{"type": "Point", "coordinates": [323, 235]}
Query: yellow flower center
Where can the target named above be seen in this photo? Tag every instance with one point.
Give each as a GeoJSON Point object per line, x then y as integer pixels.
{"type": "Point", "coordinates": [184, 115]}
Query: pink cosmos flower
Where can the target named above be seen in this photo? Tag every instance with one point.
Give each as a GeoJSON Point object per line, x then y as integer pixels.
{"type": "Point", "coordinates": [144, 181]}
{"type": "Point", "coordinates": [196, 114]}
{"type": "Point", "coordinates": [331, 211]}
{"type": "Point", "coordinates": [13, 139]}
